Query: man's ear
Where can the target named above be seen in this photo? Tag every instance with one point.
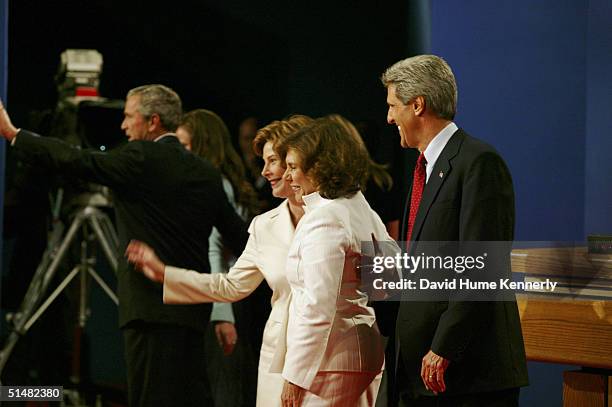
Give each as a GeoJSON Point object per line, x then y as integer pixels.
{"type": "Point", "coordinates": [154, 122]}
{"type": "Point", "coordinates": [419, 106]}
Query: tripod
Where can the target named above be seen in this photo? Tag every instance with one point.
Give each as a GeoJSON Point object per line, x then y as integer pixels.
{"type": "Point", "coordinates": [89, 225]}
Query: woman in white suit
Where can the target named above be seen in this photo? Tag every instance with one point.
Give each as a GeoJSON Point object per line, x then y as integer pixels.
{"type": "Point", "coordinates": [263, 258]}
{"type": "Point", "coordinates": [334, 351]}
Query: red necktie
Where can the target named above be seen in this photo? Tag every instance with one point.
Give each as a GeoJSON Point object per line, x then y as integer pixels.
{"type": "Point", "coordinates": [418, 183]}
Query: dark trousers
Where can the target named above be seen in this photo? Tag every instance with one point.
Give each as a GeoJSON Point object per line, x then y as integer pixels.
{"type": "Point", "coordinates": [232, 378]}
{"type": "Point", "coordinates": [165, 365]}
{"type": "Point", "coordinates": [502, 398]}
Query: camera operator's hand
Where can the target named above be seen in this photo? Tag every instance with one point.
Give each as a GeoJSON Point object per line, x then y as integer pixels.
{"type": "Point", "coordinates": [7, 130]}
{"type": "Point", "coordinates": [145, 260]}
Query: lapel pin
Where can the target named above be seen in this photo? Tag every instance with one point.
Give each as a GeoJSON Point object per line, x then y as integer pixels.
{"type": "Point", "coordinates": [441, 174]}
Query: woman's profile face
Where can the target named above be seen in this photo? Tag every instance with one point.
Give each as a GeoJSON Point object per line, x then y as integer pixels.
{"type": "Point", "coordinates": [184, 137]}
{"type": "Point", "coordinates": [300, 182]}
{"type": "Point", "coordinates": [273, 171]}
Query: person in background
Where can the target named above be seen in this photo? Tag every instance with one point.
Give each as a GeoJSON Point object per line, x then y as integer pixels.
{"type": "Point", "coordinates": [378, 179]}
{"type": "Point", "coordinates": [375, 190]}
{"type": "Point", "coordinates": [171, 199]}
{"type": "Point", "coordinates": [205, 134]}
{"type": "Point", "coordinates": [263, 259]}
{"type": "Point", "coordinates": [247, 131]}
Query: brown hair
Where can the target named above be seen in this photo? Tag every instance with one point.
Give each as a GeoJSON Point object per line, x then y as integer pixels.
{"type": "Point", "coordinates": [331, 156]}
{"type": "Point", "coordinates": [278, 130]}
{"type": "Point", "coordinates": [377, 172]}
{"type": "Point", "coordinates": [210, 138]}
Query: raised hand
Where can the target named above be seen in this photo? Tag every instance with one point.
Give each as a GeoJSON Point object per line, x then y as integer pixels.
{"type": "Point", "coordinates": [145, 260]}
{"type": "Point", "coordinates": [7, 130]}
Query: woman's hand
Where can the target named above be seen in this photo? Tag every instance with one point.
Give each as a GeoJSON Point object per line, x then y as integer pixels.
{"type": "Point", "coordinates": [292, 395]}
{"type": "Point", "coordinates": [227, 336]}
{"type": "Point", "coordinates": [145, 260]}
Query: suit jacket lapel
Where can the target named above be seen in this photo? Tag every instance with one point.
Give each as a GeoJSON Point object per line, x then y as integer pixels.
{"type": "Point", "coordinates": [281, 224]}
{"type": "Point", "coordinates": [404, 225]}
{"type": "Point", "coordinates": [430, 192]}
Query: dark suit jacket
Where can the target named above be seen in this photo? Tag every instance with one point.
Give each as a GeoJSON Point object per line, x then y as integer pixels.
{"type": "Point", "coordinates": [164, 196]}
{"type": "Point", "coordinates": [473, 200]}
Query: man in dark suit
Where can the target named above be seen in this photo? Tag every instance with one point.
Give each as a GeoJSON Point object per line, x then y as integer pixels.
{"type": "Point", "coordinates": [169, 198]}
{"type": "Point", "coordinates": [452, 353]}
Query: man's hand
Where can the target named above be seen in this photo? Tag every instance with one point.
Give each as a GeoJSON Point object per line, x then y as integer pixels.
{"type": "Point", "coordinates": [432, 372]}
{"type": "Point", "coordinates": [292, 395]}
{"type": "Point", "coordinates": [145, 260]}
{"type": "Point", "coordinates": [7, 130]}
{"type": "Point", "coordinates": [226, 336]}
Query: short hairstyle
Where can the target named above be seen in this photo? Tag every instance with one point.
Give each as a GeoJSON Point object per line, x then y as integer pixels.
{"type": "Point", "coordinates": [278, 130]}
{"type": "Point", "coordinates": [160, 100]}
{"type": "Point", "coordinates": [428, 76]}
{"type": "Point", "coordinates": [330, 155]}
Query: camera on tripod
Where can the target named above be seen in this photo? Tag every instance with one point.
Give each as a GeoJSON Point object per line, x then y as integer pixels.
{"type": "Point", "coordinates": [85, 119]}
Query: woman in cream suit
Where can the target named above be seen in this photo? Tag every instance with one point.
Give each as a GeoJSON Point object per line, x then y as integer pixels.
{"type": "Point", "coordinates": [334, 351]}
{"type": "Point", "coordinates": [263, 258]}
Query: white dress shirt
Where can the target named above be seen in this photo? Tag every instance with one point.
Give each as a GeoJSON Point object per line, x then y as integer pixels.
{"type": "Point", "coordinates": [436, 145]}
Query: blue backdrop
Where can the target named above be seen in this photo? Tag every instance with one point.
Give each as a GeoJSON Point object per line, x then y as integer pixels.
{"type": "Point", "coordinates": [534, 81]}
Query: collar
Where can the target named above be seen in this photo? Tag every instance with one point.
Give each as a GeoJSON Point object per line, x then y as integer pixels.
{"type": "Point", "coordinates": [437, 144]}
{"type": "Point", "coordinates": [313, 201]}
{"type": "Point", "coordinates": [164, 135]}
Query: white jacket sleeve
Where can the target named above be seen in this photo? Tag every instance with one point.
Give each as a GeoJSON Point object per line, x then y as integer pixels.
{"type": "Point", "coordinates": [190, 287]}
{"type": "Point", "coordinates": [221, 311]}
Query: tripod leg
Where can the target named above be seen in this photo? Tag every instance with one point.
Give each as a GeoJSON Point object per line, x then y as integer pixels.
{"type": "Point", "coordinates": [28, 315]}
{"type": "Point", "coordinates": [25, 327]}
{"type": "Point", "coordinates": [50, 299]}
{"type": "Point", "coordinates": [109, 230]}
{"type": "Point", "coordinates": [108, 240]}
{"type": "Point", "coordinates": [61, 252]}
{"type": "Point", "coordinates": [38, 286]}
{"type": "Point", "coordinates": [104, 286]}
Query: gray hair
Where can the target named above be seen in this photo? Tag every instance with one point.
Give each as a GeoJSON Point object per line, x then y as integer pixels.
{"type": "Point", "coordinates": [160, 100]}
{"type": "Point", "coordinates": [428, 76]}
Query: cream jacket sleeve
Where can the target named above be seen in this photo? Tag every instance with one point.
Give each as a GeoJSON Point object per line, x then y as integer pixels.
{"type": "Point", "coordinates": [190, 287]}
